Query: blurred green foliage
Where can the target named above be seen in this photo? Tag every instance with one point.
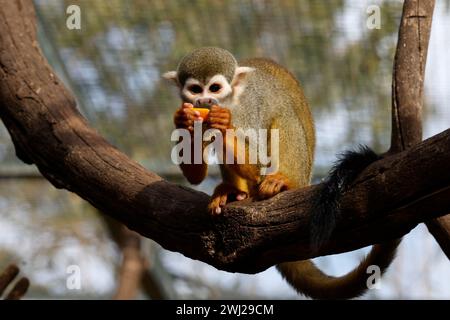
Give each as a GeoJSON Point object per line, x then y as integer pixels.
{"type": "Point", "coordinates": [114, 62]}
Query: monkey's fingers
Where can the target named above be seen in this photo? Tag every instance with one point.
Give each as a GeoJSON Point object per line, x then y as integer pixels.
{"type": "Point", "coordinates": [216, 204]}
{"type": "Point", "coordinates": [220, 127]}
{"type": "Point", "coordinates": [187, 105]}
{"type": "Point", "coordinates": [224, 112]}
{"type": "Point", "coordinates": [264, 191]}
{"type": "Point", "coordinates": [186, 111]}
{"type": "Point", "coordinates": [216, 108]}
{"type": "Point", "coordinates": [218, 120]}
{"type": "Point", "coordinates": [187, 114]}
{"type": "Point", "coordinates": [179, 117]}
{"type": "Point", "coordinates": [241, 196]}
{"type": "Point", "coordinates": [184, 117]}
{"type": "Point", "coordinates": [185, 120]}
{"type": "Point", "coordinates": [270, 187]}
{"type": "Point", "coordinates": [184, 124]}
{"type": "Point", "coordinates": [192, 113]}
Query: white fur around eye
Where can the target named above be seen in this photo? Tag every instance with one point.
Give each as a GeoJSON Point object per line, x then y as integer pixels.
{"type": "Point", "coordinates": [187, 93]}
{"type": "Point", "coordinates": [225, 87]}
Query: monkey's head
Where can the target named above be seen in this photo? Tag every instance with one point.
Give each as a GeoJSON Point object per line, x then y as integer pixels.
{"type": "Point", "coordinates": [209, 76]}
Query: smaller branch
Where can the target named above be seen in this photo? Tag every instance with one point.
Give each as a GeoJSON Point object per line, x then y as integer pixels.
{"type": "Point", "coordinates": [157, 282]}
{"type": "Point", "coordinates": [19, 289]}
{"type": "Point", "coordinates": [151, 286]}
{"type": "Point", "coordinates": [440, 229]}
{"type": "Point", "coordinates": [133, 265]}
{"type": "Point", "coordinates": [7, 278]}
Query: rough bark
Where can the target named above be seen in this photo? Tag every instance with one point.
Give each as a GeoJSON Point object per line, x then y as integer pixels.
{"type": "Point", "coordinates": [388, 199]}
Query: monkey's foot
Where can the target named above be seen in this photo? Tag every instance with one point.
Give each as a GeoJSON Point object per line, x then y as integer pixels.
{"type": "Point", "coordinates": [223, 194]}
{"type": "Point", "coordinates": [272, 185]}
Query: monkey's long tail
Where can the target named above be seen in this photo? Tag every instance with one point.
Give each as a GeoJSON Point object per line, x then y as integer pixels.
{"type": "Point", "coordinates": [304, 276]}
{"type": "Point", "coordinates": [309, 280]}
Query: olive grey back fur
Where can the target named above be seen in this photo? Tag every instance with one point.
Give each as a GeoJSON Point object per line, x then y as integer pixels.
{"type": "Point", "coordinates": [273, 99]}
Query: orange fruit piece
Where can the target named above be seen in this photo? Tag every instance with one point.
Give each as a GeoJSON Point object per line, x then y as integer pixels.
{"type": "Point", "coordinates": [203, 112]}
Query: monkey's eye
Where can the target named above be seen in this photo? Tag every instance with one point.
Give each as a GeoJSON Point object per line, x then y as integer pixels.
{"type": "Point", "coordinates": [195, 88]}
{"type": "Point", "coordinates": [215, 87]}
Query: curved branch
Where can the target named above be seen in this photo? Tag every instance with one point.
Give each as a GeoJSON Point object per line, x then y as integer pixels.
{"type": "Point", "coordinates": [389, 199]}
{"type": "Point", "coordinates": [409, 72]}
{"type": "Point", "coordinates": [408, 94]}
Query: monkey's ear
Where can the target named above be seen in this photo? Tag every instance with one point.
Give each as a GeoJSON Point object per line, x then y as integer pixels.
{"type": "Point", "coordinates": [240, 76]}
{"type": "Point", "coordinates": [172, 76]}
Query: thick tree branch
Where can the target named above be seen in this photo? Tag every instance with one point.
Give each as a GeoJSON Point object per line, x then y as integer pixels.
{"type": "Point", "coordinates": [389, 198]}
{"type": "Point", "coordinates": [408, 94]}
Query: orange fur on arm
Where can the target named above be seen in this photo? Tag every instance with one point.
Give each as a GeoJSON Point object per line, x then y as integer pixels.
{"type": "Point", "coordinates": [247, 171]}
{"type": "Point", "coordinates": [194, 173]}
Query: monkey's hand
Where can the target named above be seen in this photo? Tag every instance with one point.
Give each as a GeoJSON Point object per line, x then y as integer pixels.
{"type": "Point", "coordinates": [272, 185]}
{"type": "Point", "coordinates": [184, 117]}
{"type": "Point", "coordinates": [219, 118]}
{"type": "Point", "coordinates": [223, 194]}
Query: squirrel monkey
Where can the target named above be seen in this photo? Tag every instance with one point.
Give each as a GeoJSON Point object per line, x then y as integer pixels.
{"type": "Point", "coordinates": [258, 93]}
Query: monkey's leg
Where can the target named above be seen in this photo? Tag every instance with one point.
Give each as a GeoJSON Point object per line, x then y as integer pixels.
{"type": "Point", "coordinates": [272, 185]}
{"type": "Point", "coordinates": [224, 193]}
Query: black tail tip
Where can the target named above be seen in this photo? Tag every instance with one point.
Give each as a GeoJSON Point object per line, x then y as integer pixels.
{"type": "Point", "coordinates": [326, 206]}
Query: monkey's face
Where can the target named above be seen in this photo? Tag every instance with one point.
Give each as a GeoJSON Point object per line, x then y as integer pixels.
{"type": "Point", "coordinates": [214, 90]}
{"type": "Point", "coordinates": [203, 95]}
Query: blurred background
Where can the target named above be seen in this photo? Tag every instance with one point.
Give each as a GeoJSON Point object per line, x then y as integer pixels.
{"type": "Point", "coordinates": [114, 65]}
